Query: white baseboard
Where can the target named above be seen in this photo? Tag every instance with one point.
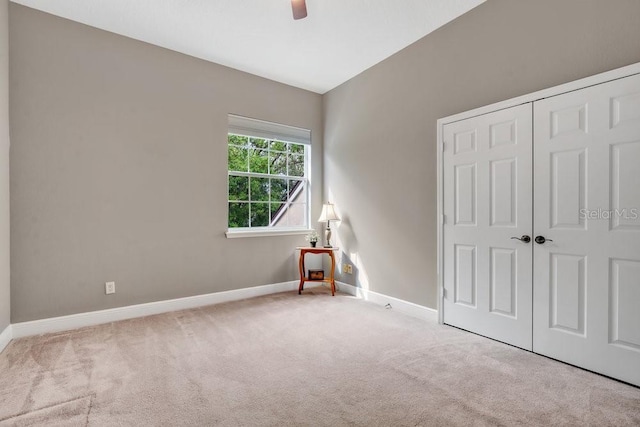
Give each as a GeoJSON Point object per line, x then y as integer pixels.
{"type": "Point", "coordinates": [80, 320]}
{"type": "Point", "coordinates": [5, 337]}
{"type": "Point", "coordinates": [402, 306]}
{"type": "Point", "coordinates": [74, 321]}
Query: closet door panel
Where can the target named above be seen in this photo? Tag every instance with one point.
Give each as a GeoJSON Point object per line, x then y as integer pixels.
{"type": "Point", "coordinates": [587, 207]}
{"type": "Point", "coordinates": [487, 178]}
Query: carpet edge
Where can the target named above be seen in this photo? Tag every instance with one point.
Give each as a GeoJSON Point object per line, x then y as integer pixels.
{"type": "Point", "coordinates": [406, 307]}
{"type": "Point", "coordinates": [92, 318]}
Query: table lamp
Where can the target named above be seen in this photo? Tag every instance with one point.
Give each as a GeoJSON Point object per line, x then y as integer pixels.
{"type": "Point", "coordinates": [328, 214]}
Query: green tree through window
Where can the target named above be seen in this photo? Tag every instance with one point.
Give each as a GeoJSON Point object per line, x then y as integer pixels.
{"type": "Point", "coordinates": [267, 183]}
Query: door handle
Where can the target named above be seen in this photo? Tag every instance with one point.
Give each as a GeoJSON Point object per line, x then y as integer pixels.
{"type": "Point", "coordinates": [524, 238]}
{"type": "Point", "coordinates": [541, 239]}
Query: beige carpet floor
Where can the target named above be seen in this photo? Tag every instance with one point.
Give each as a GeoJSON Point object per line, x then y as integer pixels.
{"type": "Point", "coordinates": [286, 359]}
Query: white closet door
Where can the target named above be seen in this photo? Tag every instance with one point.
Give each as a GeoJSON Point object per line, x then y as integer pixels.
{"type": "Point", "coordinates": [587, 200]}
{"type": "Point", "coordinates": [487, 201]}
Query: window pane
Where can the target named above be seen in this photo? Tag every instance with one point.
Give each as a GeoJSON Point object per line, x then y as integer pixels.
{"type": "Point", "coordinates": [297, 191]}
{"type": "Point", "coordinates": [238, 188]}
{"type": "Point", "coordinates": [259, 189]}
{"type": "Point", "coordinates": [277, 209]}
{"type": "Point", "coordinates": [259, 143]}
{"type": "Point", "coordinates": [238, 140]}
{"type": "Point", "coordinates": [259, 214]}
{"type": "Point", "coordinates": [296, 165]}
{"type": "Point", "coordinates": [238, 215]}
{"type": "Point", "coordinates": [279, 190]}
{"type": "Point", "coordinates": [258, 160]}
{"type": "Point", "coordinates": [267, 181]}
{"type": "Point", "coordinates": [296, 148]}
{"type": "Point", "coordinates": [278, 163]}
{"type": "Point", "coordinates": [278, 146]}
{"type": "Point", "coordinates": [237, 159]}
{"type": "Point", "coordinates": [297, 215]}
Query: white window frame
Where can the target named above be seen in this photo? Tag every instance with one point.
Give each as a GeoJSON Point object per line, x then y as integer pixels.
{"type": "Point", "coordinates": [253, 128]}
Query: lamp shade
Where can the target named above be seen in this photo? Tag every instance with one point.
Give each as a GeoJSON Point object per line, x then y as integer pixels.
{"type": "Point", "coordinates": [328, 213]}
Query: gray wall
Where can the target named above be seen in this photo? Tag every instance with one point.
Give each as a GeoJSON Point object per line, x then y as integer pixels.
{"type": "Point", "coordinates": [118, 162]}
{"type": "Point", "coordinates": [380, 127]}
{"type": "Point", "coordinates": [4, 166]}
{"type": "Point", "coordinates": [118, 170]}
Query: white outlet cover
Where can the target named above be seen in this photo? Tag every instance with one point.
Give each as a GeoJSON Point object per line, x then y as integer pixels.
{"type": "Point", "coordinates": [110, 288]}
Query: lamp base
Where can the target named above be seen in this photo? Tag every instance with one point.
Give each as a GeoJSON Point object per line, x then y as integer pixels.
{"type": "Point", "coordinates": [327, 236]}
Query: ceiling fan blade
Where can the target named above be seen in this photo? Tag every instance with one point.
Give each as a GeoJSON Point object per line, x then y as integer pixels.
{"type": "Point", "coordinates": [299, 9]}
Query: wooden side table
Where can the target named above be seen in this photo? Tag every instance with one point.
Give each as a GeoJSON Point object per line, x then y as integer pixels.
{"type": "Point", "coordinates": [303, 278]}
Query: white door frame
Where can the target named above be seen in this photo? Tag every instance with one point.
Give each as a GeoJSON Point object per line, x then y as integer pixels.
{"type": "Point", "coordinates": [531, 97]}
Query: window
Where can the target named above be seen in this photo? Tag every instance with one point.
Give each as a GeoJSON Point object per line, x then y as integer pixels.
{"type": "Point", "coordinates": [268, 176]}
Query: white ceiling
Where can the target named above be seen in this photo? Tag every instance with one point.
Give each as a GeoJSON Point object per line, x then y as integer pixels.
{"type": "Point", "coordinates": [338, 40]}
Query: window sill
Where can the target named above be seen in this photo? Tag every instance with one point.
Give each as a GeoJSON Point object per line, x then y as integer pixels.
{"type": "Point", "coordinates": [235, 234]}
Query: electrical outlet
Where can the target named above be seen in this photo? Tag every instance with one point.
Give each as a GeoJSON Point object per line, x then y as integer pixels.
{"type": "Point", "coordinates": [348, 268]}
{"type": "Point", "coordinates": [110, 288]}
